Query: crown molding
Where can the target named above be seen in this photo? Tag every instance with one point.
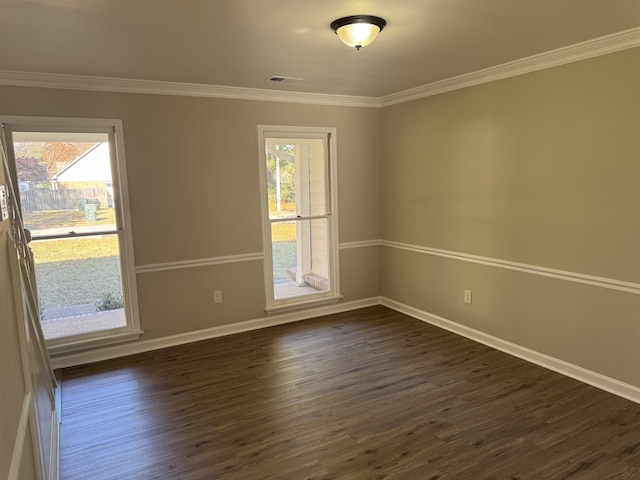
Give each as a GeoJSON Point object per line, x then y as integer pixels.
{"type": "Point", "coordinates": [125, 85]}
{"type": "Point", "coordinates": [561, 56]}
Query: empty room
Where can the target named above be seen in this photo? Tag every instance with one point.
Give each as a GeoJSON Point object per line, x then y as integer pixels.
{"type": "Point", "coordinates": [294, 239]}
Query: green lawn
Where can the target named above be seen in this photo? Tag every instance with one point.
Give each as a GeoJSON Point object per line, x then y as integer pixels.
{"type": "Point", "coordinates": [77, 282]}
{"type": "Point", "coordinates": [283, 232]}
{"type": "Point", "coordinates": [72, 249]}
{"type": "Point", "coordinates": [74, 271]}
{"type": "Point", "coordinates": [284, 250]}
{"type": "Point", "coordinates": [284, 256]}
{"type": "Point", "coordinates": [66, 218]}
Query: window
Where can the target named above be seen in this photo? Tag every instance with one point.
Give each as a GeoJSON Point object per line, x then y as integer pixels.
{"type": "Point", "coordinates": [297, 166]}
{"type": "Point", "coordinates": [71, 179]}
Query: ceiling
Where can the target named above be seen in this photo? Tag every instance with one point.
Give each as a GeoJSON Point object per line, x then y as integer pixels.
{"type": "Point", "coordinates": [241, 43]}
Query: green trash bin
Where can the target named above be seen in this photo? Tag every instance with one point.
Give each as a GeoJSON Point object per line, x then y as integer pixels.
{"type": "Point", "coordinates": [90, 210]}
{"type": "Point", "coordinates": [81, 203]}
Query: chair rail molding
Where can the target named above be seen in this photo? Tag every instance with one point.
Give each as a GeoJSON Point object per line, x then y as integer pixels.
{"type": "Point", "coordinates": [595, 281]}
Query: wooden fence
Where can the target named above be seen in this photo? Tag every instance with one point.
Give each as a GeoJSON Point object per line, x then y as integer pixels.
{"type": "Point", "coordinates": [38, 200]}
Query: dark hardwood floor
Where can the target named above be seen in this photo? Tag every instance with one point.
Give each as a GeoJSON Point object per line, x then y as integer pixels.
{"type": "Point", "coordinates": [368, 394]}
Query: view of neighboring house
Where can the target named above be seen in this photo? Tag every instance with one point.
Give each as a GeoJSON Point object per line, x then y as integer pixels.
{"type": "Point", "coordinates": [92, 169]}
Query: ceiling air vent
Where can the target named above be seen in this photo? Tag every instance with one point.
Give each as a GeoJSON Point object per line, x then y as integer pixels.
{"type": "Point", "coordinates": [280, 79]}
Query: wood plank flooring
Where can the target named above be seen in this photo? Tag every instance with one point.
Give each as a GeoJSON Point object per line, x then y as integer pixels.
{"type": "Point", "coordinates": [364, 395]}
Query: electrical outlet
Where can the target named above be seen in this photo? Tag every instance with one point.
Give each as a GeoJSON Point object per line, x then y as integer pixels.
{"type": "Point", "coordinates": [467, 296]}
{"type": "Point", "coordinates": [217, 296]}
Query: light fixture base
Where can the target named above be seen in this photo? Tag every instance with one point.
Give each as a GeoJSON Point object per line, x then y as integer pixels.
{"type": "Point", "coordinates": [358, 30]}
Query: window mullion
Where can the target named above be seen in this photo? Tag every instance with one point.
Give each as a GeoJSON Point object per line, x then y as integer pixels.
{"type": "Point", "coordinates": [297, 219]}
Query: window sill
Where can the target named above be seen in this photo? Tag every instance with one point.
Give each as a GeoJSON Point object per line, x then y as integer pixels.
{"type": "Point", "coordinates": [286, 307]}
{"type": "Point", "coordinates": [77, 344]}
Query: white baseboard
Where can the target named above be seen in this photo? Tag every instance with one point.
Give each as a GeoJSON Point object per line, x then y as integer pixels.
{"type": "Point", "coordinates": [124, 349]}
{"type": "Point", "coordinates": [608, 384]}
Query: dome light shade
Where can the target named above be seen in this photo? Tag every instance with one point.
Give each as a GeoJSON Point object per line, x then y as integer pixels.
{"type": "Point", "coordinates": [358, 30]}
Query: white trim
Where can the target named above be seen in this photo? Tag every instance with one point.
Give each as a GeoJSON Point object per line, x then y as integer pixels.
{"type": "Point", "coordinates": [54, 460]}
{"type": "Point", "coordinates": [21, 436]}
{"type": "Point", "coordinates": [608, 384]}
{"type": "Point", "coordinates": [244, 257]}
{"type": "Point", "coordinates": [69, 360]}
{"type": "Point", "coordinates": [92, 342]}
{"type": "Point", "coordinates": [581, 51]}
{"type": "Point", "coordinates": [553, 58]}
{"type": "Point", "coordinates": [360, 244]}
{"type": "Point", "coordinates": [113, 129]}
{"type": "Point", "coordinates": [200, 262]}
{"type": "Point", "coordinates": [594, 281]}
{"type": "Point", "coordinates": [29, 122]}
{"type": "Point", "coordinates": [316, 302]}
{"type": "Point", "coordinates": [289, 133]}
{"type": "Point", "coordinates": [125, 85]}
{"type": "Point", "coordinates": [129, 282]}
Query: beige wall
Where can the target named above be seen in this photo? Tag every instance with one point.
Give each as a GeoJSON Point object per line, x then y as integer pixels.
{"type": "Point", "coordinates": [192, 166]}
{"type": "Point", "coordinates": [540, 169]}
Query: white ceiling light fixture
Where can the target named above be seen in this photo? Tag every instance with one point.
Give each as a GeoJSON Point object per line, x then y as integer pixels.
{"type": "Point", "coordinates": [358, 30]}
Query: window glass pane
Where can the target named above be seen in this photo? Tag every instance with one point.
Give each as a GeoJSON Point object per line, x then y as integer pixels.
{"type": "Point", "coordinates": [79, 285]}
{"type": "Point", "coordinates": [296, 177]}
{"type": "Point", "coordinates": [284, 245]}
{"type": "Point", "coordinates": [300, 257]}
{"type": "Point", "coordinates": [65, 182]}
{"type": "Point", "coordinates": [281, 180]}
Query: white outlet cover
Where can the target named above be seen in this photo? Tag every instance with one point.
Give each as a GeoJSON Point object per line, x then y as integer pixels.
{"type": "Point", "coordinates": [217, 296]}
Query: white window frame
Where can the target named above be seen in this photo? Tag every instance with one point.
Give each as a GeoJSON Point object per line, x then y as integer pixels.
{"type": "Point", "coordinates": [114, 130]}
{"type": "Point", "coordinates": [328, 134]}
